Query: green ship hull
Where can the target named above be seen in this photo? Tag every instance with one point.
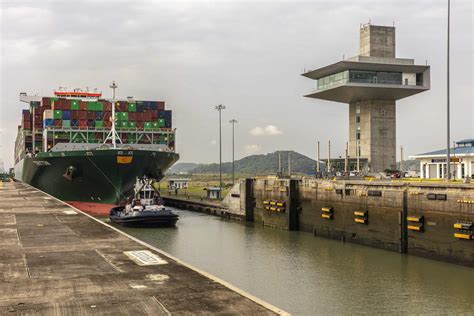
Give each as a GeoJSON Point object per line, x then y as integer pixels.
{"type": "Point", "coordinates": [96, 176]}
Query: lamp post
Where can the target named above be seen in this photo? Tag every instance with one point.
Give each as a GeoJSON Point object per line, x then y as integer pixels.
{"type": "Point", "coordinates": [219, 108]}
{"type": "Point", "coordinates": [233, 121]}
{"type": "Point", "coordinates": [448, 153]}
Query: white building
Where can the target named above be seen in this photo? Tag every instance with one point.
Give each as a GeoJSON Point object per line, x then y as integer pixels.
{"type": "Point", "coordinates": [433, 164]}
{"type": "Point", "coordinates": [178, 183]}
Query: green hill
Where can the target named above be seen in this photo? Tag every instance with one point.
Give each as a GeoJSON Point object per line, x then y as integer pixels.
{"type": "Point", "coordinates": [262, 164]}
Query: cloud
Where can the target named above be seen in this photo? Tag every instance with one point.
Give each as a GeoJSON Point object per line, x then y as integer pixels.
{"type": "Point", "coordinates": [257, 131]}
{"type": "Point", "coordinates": [251, 149]}
{"type": "Point", "coordinates": [269, 130]}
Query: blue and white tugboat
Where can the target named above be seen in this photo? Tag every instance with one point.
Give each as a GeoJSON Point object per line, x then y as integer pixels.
{"type": "Point", "coordinates": [145, 208]}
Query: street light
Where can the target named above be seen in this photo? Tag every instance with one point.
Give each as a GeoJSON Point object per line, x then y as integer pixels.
{"type": "Point", "coordinates": [233, 121]}
{"type": "Point", "coordinates": [219, 108]}
{"type": "Point", "coordinates": [448, 153]}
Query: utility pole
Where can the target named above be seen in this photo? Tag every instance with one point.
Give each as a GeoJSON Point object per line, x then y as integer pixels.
{"type": "Point", "coordinates": [279, 164]}
{"type": "Point", "coordinates": [357, 155]}
{"type": "Point", "coordinates": [219, 108]}
{"type": "Point", "coordinates": [329, 156]}
{"type": "Point", "coordinates": [233, 121]}
{"type": "Point", "coordinates": [289, 164]}
{"type": "Point", "coordinates": [401, 159]}
{"type": "Point", "coordinates": [33, 136]}
{"type": "Point", "coordinates": [318, 167]}
{"type": "Point", "coordinates": [448, 156]}
{"type": "Point", "coordinates": [346, 161]}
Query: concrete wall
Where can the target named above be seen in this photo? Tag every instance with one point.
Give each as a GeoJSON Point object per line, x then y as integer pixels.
{"type": "Point", "coordinates": [377, 133]}
{"type": "Point", "coordinates": [387, 206]}
{"type": "Point", "coordinates": [377, 41]}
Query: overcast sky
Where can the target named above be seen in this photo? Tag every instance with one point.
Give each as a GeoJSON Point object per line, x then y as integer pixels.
{"type": "Point", "coordinates": [245, 55]}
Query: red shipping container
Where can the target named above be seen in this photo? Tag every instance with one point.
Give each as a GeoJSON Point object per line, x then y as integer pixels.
{"type": "Point", "coordinates": [139, 124]}
{"type": "Point", "coordinates": [39, 111]}
{"type": "Point", "coordinates": [82, 123]}
{"type": "Point", "coordinates": [161, 105]}
{"type": "Point", "coordinates": [82, 105]}
{"type": "Point", "coordinates": [146, 116]}
{"type": "Point", "coordinates": [107, 124]}
{"type": "Point", "coordinates": [131, 116]}
{"type": "Point", "coordinates": [58, 123]}
{"type": "Point", "coordinates": [47, 107]}
{"type": "Point", "coordinates": [26, 125]}
{"type": "Point", "coordinates": [107, 106]}
{"type": "Point", "coordinates": [154, 115]}
{"type": "Point", "coordinates": [82, 115]}
{"type": "Point", "coordinates": [107, 115]}
{"type": "Point", "coordinates": [90, 115]}
{"type": "Point", "coordinates": [65, 104]}
{"type": "Point", "coordinates": [74, 115]}
{"type": "Point", "coordinates": [139, 117]}
{"type": "Point", "coordinates": [46, 102]}
{"type": "Point", "coordinates": [26, 115]}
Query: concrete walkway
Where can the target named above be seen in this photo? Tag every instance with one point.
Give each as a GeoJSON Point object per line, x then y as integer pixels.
{"type": "Point", "coordinates": [57, 260]}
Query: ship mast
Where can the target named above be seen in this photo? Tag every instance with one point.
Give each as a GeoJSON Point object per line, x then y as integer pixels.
{"type": "Point", "coordinates": [113, 132]}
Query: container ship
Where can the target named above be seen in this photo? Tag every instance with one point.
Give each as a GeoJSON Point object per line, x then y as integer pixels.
{"type": "Point", "coordinates": [88, 151]}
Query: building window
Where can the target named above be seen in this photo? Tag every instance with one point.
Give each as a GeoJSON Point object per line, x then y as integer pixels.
{"type": "Point", "coordinates": [384, 77]}
{"type": "Point", "coordinates": [358, 119]}
{"type": "Point", "coordinates": [358, 135]}
{"type": "Point", "coordinates": [440, 171]}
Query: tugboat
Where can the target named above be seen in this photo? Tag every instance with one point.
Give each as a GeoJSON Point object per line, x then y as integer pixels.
{"type": "Point", "coordinates": [144, 209]}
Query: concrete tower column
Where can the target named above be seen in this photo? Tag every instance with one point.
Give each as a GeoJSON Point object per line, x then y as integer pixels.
{"type": "Point", "coordinates": [373, 124]}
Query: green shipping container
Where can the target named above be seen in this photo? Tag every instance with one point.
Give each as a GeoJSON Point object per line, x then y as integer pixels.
{"type": "Point", "coordinates": [124, 124]}
{"type": "Point", "coordinates": [90, 106]}
{"type": "Point", "coordinates": [132, 107]}
{"type": "Point", "coordinates": [99, 106]}
{"type": "Point", "coordinates": [99, 124]}
{"type": "Point", "coordinates": [148, 125]}
{"type": "Point", "coordinates": [58, 115]}
{"type": "Point", "coordinates": [132, 125]}
{"type": "Point", "coordinates": [74, 105]}
{"type": "Point", "coordinates": [66, 123]}
{"type": "Point", "coordinates": [155, 125]}
{"type": "Point", "coordinates": [161, 122]}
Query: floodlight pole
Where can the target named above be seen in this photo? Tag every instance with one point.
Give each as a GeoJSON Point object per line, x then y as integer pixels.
{"type": "Point", "coordinates": [233, 121]}
{"type": "Point", "coordinates": [448, 156]}
{"type": "Point", "coordinates": [219, 108]}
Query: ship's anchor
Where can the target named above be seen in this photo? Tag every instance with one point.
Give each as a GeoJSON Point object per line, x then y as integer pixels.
{"type": "Point", "coordinates": [69, 174]}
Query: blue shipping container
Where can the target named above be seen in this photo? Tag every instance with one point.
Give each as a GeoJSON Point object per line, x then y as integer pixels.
{"type": "Point", "coordinates": [75, 123]}
{"type": "Point", "coordinates": [99, 115]}
{"type": "Point", "coordinates": [48, 122]}
{"type": "Point", "coordinates": [66, 115]}
{"type": "Point", "coordinates": [167, 115]}
{"type": "Point", "coordinates": [91, 123]}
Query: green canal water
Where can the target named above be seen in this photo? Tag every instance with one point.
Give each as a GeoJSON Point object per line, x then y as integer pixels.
{"type": "Point", "coordinates": [307, 275]}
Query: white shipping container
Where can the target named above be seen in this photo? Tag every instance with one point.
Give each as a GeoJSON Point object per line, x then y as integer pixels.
{"type": "Point", "coordinates": [48, 114]}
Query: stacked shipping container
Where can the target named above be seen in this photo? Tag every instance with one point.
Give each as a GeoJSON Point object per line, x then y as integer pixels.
{"type": "Point", "coordinates": [136, 122]}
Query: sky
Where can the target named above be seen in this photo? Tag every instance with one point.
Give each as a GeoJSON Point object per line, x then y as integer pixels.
{"type": "Point", "coordinates": [248, 56]}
